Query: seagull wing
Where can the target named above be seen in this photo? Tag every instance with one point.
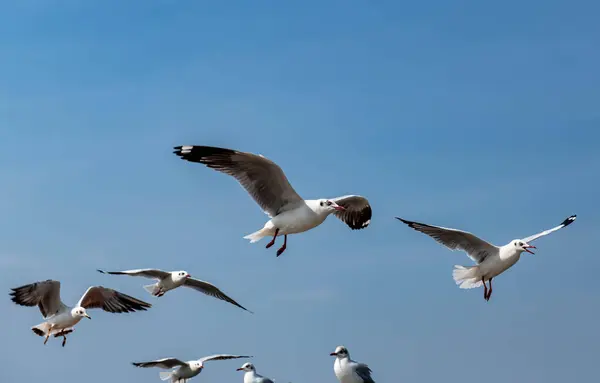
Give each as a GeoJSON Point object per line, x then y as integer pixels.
{"type": "Point", "coordinates": [112, 301]}
{"type": "Point", "coordinates": [477, 249]}
{"type": "Point", "coordinates": [210, 289]}
{"type": "Point", "coordinates": [146, 273]}
{"type": "Point", "coordinates": [358, 211]}
{"type": "Point", "coordinates": [165, 363]}
{"type": "Point", "coordinates": [222, 357]}
{"type": "Point", "coordinates": [564, 223]}
{"type": "Point", "coordinates": [364, 372]}
{"type": "Point", "coordinates": [44, 294]}
{"type": "Point", "coordinates": [262, 178]}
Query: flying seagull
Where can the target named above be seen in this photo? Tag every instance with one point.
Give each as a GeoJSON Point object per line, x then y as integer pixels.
{"type": "Point", "coordinates": [491, 260]}
{"type": "Point", "coordinates": [250, 375]}
{"type": "Point", "coordinates": [60, 318]}
{"type": "Point", "coordinates": [348, 371]}
{"type": "Point", "coordinates": [169, 280]}
{"type": "Point", "coordinates": [184, 370]}
{"type": "Point", "coordinates": [268, 186]}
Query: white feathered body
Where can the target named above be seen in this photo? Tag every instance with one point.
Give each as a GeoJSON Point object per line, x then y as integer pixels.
{"type": "Point", "coordinates": [163, 285]}
{"type": "Point", "coordinates": [63, 320]}
{"type": "Point", "coordinates": [344, 371]}
{"type": "Point", "coordinates": [303, 218]}
{"type": "Point", "coordinates": [492, 266]}
{"type": "Point", "coordinates": [181, 374]}
{"type": "Point", "coordinates": [253, 377]}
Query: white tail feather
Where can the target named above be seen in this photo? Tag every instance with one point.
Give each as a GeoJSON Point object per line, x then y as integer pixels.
{"type": "Point", "coordinates": [165, 375]}
{"type": "Point", "coordinates": [467, 277]}
{"type": "Point", "coordinates": [151, 288]}
{"type": "Point", "coordinates": [256, 236]}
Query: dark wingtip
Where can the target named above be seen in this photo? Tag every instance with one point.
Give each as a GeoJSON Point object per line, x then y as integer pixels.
{"type": "Point", "coordinates": [403, 220]}
{"type": "Point", "coordinates": [569, 220]}
{"type": "Point", "coordinates": [101, 271]}
{"type": "Point", "coordinates": [37, 331]}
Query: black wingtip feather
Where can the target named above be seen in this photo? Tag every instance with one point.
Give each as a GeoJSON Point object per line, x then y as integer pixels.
{"type": "Point", "coordinates": [569, 220]}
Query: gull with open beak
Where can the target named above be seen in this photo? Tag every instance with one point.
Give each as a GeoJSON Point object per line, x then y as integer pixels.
{"type": "Point", "coordinates": [60, 318]}
{"type": "Point", "coordinates": [266, 183]}
{"type": "Point", "coordinates": [491, 260]}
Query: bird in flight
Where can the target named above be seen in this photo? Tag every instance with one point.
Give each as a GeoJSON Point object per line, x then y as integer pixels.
{"type": "Point", "coordinates": [266, 183]}
{"type": "Point", "coordinates": [491, 260]}
{"type": "Point", "coordinates": [60, 318]}
{"type": "Point", "coordinates": [170, 280]}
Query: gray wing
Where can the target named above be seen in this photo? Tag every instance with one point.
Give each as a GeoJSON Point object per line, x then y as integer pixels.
{"type": "Point", "coordinates": [264, 379]}
{"type": "Point", "coordinates": [44, 294]}
{"type": "Point", "coordinates": [223, 357]}
{"type": "Point", "coordinates": [111, 301]}
{"type": "Point", "coordinates": [262, 178]}
{"type": "Point", "coordinates": [364, 372]}
{"type": "Point", "coordinates": [564, 223]}
{"type": "Point", "coordinates": [165, 363]}
{"type": "Point", "coordinates": [476, 248]}
{"type": "Point", "coordinates": [358, 211]}
{"type": "Point", "coordinates": [146, 273]}
{"type": "Point", "coordinates": [212, 290]}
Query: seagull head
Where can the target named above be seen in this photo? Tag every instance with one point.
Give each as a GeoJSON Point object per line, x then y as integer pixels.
{"type": "Point", "coordinates": [181, 275]}
{"type": "Point", "coordinates": [330, 206]}
{"type": "Point", "coordinates": [198, 365]}
{"type": "Point", "coordinates": [246, 367]}
{"type": "Point", "coordinates": [522, 246]}
{"type": "Point", "coordinates": [340, 352]}
{"type": "Point", "coordinates": [79, 312]}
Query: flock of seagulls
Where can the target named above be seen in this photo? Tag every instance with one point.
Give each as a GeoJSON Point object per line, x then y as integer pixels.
{"type": "Point", "coordinates": [289, 214]}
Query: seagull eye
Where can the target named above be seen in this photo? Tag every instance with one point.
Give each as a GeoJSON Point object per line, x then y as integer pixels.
{"type": "Point", "coordinates": [321, 203]}
{"type": "Point", "coordinates": [328, 203]}
{"type": "Point", "coordinates": [520, 243]}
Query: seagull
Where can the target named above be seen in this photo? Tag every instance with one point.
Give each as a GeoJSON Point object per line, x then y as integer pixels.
{"type": "Point", "coordinates": [169, 280]}
{"type": "Point", "coordinates": [269, 187]}
{"type": "Point", "coordinates": [348, 371]}
{"type": "Point", "coordinates": [60, 318]}
{"type": "Point", "coordinates": [185, 370]}
{"type": "Point", "coordinates": [491, 260]}
{"type": "Point", "coordinates": [250, 376]}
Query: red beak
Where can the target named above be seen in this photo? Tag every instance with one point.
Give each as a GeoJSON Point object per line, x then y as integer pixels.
{"type": "Point", "coordinates": [188, 276]}
{"type": "Point", "coordinates": [529, 247]}
{"type": "Point", "coordinates": [340, 208]}
{"type": "Point", "coordinates": [333, 354]}
{"type": "Point", "coordinates": [239, 369]}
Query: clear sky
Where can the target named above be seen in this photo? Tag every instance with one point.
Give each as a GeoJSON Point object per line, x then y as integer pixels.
{"type": "Point", "coordinates": [476, 115]}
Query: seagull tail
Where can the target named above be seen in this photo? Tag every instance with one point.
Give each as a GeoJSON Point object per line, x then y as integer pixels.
{"type": "Point", "coordinates": [257, 235]}
{"type": "Point", "coordinates": [41, 329]}
{"type": "Point", "coordinates": [165, 375]}
{"type": "Point", "coordinates": [466, 277]}
{"type": "Point", "coordinates": [152, 289]}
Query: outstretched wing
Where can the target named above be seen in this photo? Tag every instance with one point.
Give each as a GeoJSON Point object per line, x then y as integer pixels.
{"type": "Point", "coordinates": [477, 249]}
{"type": "Point", "coordinates": [358, 211]}
{"type": "Point", "coordinates": [44, 294]}
{"type": "Point", "coordinates": [564, 223]}
{"type": "Point", "coordinates": [364, 372]}
{"type": "Point", "coordinates": [146, 273]}
{"type": "Point", "coordinates": [212, 290]}
{"type": "Point", "coordinates": [262, 178]}
{"type": "Point", "coordinates": [111, 301]}
{"type": "Point", "coordinates": [165, 363]}
{"type": "Point", "coordinates": [222, 357]}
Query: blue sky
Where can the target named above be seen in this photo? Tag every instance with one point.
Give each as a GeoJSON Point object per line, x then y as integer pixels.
{"type": "Point", "coordinates": [476, 115]}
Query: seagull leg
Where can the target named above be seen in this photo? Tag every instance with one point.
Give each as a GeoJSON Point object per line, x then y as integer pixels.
{"type": "Point", "coordinates": [273, 240]}
{"type": "Point", "coordinates": [490, 292]}
{"type": "Point", "coordinates": [485, 291]}
{"type": "Point", "coordinates": [282, 248]}
{"type": "Point", "coordinates": [64, 340]}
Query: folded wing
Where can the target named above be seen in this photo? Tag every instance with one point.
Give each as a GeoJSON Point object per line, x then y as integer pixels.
{"type": "Point", "coordinates": [111, 301]}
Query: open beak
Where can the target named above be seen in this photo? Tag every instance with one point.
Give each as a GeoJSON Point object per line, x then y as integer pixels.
{"type": "Point", "coordinates": [339, 208]}
{"type": "Point", "coordinates": [188, 276]}
{"type": "Point", "coordinates": [88, 317]}
{"type": "Point", "coordinates": [529, 247]}
{"type": "Point", "coordinates": [333, 354]}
